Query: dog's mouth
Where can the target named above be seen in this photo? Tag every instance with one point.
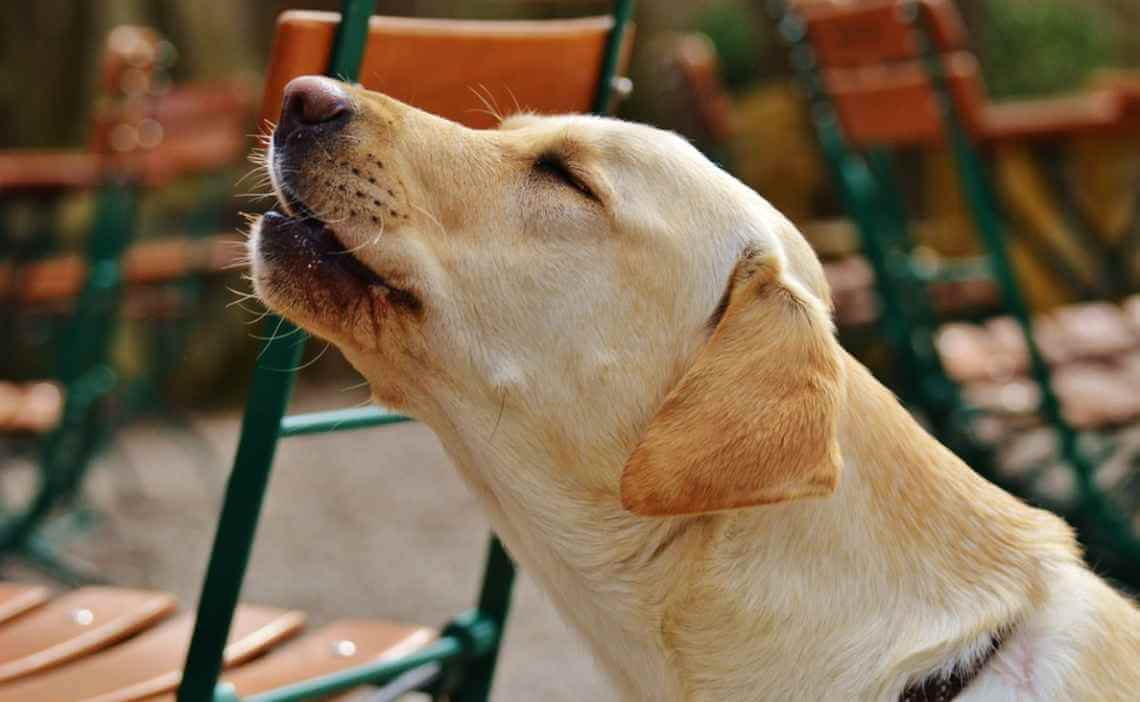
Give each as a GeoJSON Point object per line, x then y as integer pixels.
{"type": "Point", "coordinates": [292, 236]}
{"type": "Point", "coordinates": [313, 240]}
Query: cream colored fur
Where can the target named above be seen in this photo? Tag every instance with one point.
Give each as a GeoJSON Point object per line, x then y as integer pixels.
{"type": "Point", "coordinates": [561, 334]}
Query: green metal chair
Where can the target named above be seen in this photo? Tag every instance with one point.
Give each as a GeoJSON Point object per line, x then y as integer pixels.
{"type": "Point", "coordinates": [884, 74]}
{"type": "Point", "coordinates": [84, 346]}
{"type": "Point", "coordinates": [142, 137]}
{"type": "Point", "coordinates": [514, 65]}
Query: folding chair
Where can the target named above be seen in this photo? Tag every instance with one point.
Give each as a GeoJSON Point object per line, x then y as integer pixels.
{"type": "Point", "coordinates": [143, 137]}
{"type": "Point", "coordinates": [548, 66]}
{"type": "Point", "coordinates": [886, 74]}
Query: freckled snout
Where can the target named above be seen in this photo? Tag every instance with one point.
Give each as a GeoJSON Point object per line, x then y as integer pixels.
{"type": "Point", "coordinates": [313, 106]}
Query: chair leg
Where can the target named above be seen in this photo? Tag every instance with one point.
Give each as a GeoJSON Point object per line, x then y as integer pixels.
{"type": "Point", "coordinates": [494, 604]}
{"type": "Point", "coordinates": [245, 491]}
{"type": "Point", "coordinates": [83, 367]}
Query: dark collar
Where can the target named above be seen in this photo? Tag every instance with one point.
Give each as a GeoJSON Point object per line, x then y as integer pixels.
{"type": "Point", "coordinates": [942, 688]}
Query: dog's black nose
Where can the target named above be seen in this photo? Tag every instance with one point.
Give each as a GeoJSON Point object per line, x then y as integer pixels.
{"type": "Point", "coordinates": [312, 104]}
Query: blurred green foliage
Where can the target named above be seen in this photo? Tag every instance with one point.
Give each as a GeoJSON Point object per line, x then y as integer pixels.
{"type": "Point", "coordinates": [1033, 47]}
{"type": "Point", "coordinates": [737, 31]}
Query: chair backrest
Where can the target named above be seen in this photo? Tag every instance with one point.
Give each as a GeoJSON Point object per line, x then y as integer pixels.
{"type": "Point", "coordinates": [896, 105]}
{"type": "Point", "coordinates": [695, 59]}
{"type": "Point", "coordinates": [870, 59]}
{"type": "Point", "coordinates": [861, 34]}
{"type": "Point", "coordinates": [146, 129]}
{"type": "Point", "coordinates": [449, 67]}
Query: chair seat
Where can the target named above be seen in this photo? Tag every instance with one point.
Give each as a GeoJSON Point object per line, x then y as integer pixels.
{"type": "Point", "coordinates": [29, 408]}
{"type": "Point", "coordinates": [104, 644]}
{"type": "Point", "coordinates": [148, 663]}
{"type": "Point", "coordinates": [16, 599]}
{"type": "Point", "coordinates": [76, 624]}
{"type": "Point", "coordinates": [336, 647]}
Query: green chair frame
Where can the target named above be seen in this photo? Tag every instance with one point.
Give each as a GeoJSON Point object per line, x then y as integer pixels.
{"type": "Point", "coordinates": [88, 376]}
{"type": "Point", "coordinates": [96, 398]}
{"type": "Point", "coordinates": [460, 664]}
{"type": "Point", "coordinates": [870, 192]}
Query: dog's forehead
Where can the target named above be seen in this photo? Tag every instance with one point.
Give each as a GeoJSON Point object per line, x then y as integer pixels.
{"type": "Point", "coordinates": [608, 136]}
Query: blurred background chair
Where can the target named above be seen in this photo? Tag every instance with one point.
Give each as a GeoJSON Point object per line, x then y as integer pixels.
{"type": "Point", "coordinates": [886, 76]}
{"type": "Point", "coordinates": [68, 288]}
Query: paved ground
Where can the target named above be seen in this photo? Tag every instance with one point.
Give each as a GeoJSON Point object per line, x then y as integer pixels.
{"type": "Point", "coordinates": [363, 524]}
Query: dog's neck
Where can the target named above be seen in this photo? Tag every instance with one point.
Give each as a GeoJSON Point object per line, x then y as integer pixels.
{"type": "Point", "coordinates": [878, 553]}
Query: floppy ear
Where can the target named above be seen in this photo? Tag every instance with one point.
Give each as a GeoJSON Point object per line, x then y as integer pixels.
{"type": "Point", "coordinates": [753, 421]}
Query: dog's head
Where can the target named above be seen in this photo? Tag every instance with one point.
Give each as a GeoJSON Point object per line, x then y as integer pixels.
{"type": "Point", "coordinates": [570, 274]}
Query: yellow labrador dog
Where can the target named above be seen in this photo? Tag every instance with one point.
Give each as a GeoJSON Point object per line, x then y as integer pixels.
{"type": "Point", "coordinates": [629, 356]}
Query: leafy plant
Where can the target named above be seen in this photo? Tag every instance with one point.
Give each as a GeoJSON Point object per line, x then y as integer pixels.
{"type": "Point", "coordinates": [1032, 47]}
{"type": "Point", "coordinates": [736, 32]}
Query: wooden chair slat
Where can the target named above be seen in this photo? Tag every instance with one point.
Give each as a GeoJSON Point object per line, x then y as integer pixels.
{"type": "Point", "coordinates": [1052, 118]}
{"type": "Point", "coordinates": [29, 408]}
{"type": "Point", "coordinates": [29, 171]}
{"type": "Point", "coordinates": [185, 107]}
{"type": "Point", "coordinates": [202, 128]}
{"type": "Point", "coordinates": [336, 647]}
{"type": "Point", "coordinates": [896, 105]}
{"type": "Point", "coordinates": [150, 664]}
{"type": "Point", "coordinates": [1128, 88]}
{"type": "Point", "coordinates": [17, 599]}
{"type": "Point", "coordinates": [547, 67]}
{"type": "Point", "coordinates": [77, 624]}
{"type": "Point", "coordinates": [697, 62]}
{"type": "Point", "coordinates": [847, 35]}
{"type": "Point", "coordinates": [159, 261]}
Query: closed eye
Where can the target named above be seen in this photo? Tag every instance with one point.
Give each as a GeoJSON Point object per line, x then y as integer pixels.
{"type": "Point", "coordinates": [554, 166]}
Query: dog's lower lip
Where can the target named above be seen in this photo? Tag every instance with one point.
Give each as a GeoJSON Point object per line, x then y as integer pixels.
{"type": "Point", "coordinates": [327, 246]}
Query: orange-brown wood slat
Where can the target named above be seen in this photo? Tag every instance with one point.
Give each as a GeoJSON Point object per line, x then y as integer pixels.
{"type": "Point", "coordinates": [696, 60]}
{"type": "Point", "coordinates": [846, 34]}
{"type": "Point", "coordinates": [545, 67]}
{"type": "Point", "coordinates": [76, 624]}
{"type": "Point", "coordinates": [17, 599]}
{"type": "Point", "coordinates": [1053, 118]}
{"type": "Point", "coordinates": [33, 407]}
{"type": "Point", "coordinates": [336, 647]}
{"type": "Point", "coordinates": [201, 151]}
{"type": "Point", "coordinates": [150, 663]}
{"type": "Point", "coordinates": [28, 171]}
{"type": "Point", "coordinates": [149, 262]}
{"type": "Point", "coordinates": [896, 105]}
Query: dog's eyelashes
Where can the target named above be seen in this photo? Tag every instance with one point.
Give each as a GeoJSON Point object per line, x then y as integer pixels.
{"type": "Point", "coordinates": [553, 165]}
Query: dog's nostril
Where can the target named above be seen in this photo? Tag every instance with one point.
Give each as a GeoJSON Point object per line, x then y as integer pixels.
{"type": "Point", "coordinates": [312, 101]}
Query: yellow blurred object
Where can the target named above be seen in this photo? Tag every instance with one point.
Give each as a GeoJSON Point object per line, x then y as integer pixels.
{"type": "Point", "coordinates": [774, 150]}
